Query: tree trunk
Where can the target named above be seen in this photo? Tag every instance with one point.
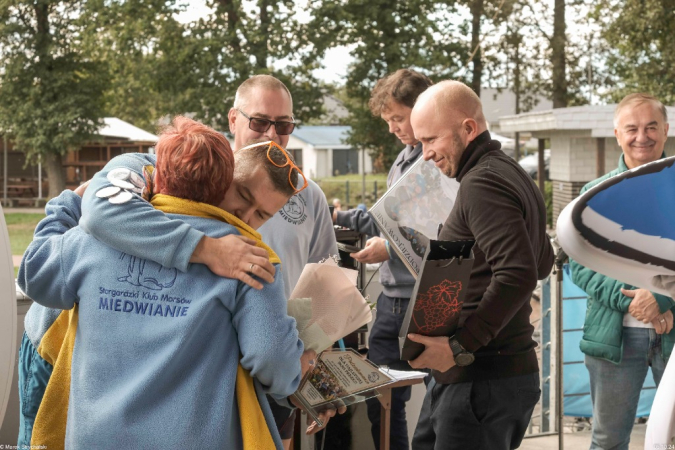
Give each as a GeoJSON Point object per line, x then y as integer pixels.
{"type": "Point", "coordinates": [558, 56]}
{"type": "Point", "coordinates": [476, 14]}
{"type": "Point", "coordinates": [261, 50]}
{"type": "Point", "coordinates": [55, 174]}
{"type": "Point", "coordinates": [231, 9]}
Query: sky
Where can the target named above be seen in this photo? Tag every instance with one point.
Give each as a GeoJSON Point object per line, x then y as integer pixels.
{"type": "Point", "coordinates": [337, 60]}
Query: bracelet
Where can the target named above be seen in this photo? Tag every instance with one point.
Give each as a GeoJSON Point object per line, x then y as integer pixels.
{"type": "Point", "coordinates": [388, 247]}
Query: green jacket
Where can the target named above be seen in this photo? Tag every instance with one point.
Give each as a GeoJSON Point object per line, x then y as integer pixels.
{"type": "Point", "coordinates": [606, 306]}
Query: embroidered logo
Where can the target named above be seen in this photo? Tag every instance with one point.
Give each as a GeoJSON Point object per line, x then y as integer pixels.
{"type": "Point", "coordinates": [294, 211]}
{"type": "Point", "coordinates": [147, 274]}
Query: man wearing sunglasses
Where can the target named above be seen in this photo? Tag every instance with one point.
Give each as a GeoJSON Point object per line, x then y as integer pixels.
{"type": "Point", "coordinates": [300, 232]}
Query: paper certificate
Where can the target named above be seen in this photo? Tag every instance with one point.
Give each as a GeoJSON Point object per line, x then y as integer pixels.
{"type": "Point", "coordinates": [411, 211]}
{"type": "Point", "coordinates": [340, 377]}
{"type": "Point", "coordinates": [338, 374]}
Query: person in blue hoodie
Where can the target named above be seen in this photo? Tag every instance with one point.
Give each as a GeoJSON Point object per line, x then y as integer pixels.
{"type": "Point", "coordinates": [149, 356]}
{"type": "Point", "coordinates": [174, 243]}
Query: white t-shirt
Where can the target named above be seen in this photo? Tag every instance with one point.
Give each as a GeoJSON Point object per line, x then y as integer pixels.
{"type": "Point", "coordinates": [300, 233]}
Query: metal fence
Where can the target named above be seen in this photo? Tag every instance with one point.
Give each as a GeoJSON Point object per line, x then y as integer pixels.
{"type": "Point", "coordinates": [575, 385]}
{"type": "Point", "coordinates": [352, 193]}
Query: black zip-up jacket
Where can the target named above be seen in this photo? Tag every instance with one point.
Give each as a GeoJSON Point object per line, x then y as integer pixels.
{"type": "Point", "coordinates": [500, 207]}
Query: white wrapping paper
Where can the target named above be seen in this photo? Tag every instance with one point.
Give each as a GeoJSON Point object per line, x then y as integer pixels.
{"type": "Point", "coordinates": [327, 305]}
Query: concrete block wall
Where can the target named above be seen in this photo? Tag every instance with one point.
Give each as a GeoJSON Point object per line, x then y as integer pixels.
{"type": "Point", "coordinates": [563, 193]}
{"type": "Point", "coordinates": [572, 157]}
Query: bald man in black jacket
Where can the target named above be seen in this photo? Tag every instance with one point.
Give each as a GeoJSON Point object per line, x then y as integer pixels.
{"type": "Point", "coordinates": [486, 376]}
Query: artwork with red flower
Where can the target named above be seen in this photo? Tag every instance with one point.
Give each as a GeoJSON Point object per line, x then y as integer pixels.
{"type": "Point", "coordinates": [437, 306]}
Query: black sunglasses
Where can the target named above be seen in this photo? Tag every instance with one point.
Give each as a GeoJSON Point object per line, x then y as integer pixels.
{"type": "Point", "coordinates": [260, 125]}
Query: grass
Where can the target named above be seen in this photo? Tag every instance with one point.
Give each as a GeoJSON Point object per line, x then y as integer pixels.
{"type": "Point", "coordinates": [348, 188]}
{"type": "Point", "coordinates": [20, 227]}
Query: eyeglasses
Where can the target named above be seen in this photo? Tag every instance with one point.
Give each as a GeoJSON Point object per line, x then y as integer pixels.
{"type": "Point", "coordinates": [274, 159]}
{"type": "Point", "coordinates": [260, 125]}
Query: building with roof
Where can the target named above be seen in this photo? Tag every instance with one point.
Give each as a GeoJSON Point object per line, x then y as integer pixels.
{"type": "Point", "coordinates": [321, 151]}
{"type": "Point", "coordinates": [23, 183]}
{"type": "Point", "coordinates": [499, 103]}
{"type": "Point", "coordinates": [114, 138]}
{"type": "Point", "coordinates": [582, 142]}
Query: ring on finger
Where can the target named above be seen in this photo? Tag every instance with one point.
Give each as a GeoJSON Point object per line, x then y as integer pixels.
{"type": "Point", "coordinates": [250, 269]}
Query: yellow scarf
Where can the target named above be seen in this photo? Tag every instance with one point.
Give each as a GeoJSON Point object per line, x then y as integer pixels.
{"type": "Point", "coordinates": [56, 347]}
{"type": "Point", "coordinates": [254, 428]}
{"type": "Point", "coordinates": [174, 205]}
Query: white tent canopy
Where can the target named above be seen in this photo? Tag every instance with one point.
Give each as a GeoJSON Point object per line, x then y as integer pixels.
{"type": "Point", "coordinates": [117, 128]}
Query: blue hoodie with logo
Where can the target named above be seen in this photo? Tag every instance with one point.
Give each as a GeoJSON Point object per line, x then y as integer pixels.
{"type": "Point", "coordinates": [156, 350]}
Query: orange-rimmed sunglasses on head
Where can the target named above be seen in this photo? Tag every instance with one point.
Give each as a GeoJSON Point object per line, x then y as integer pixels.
{"type": "Point", "coordinates": [270, 145]}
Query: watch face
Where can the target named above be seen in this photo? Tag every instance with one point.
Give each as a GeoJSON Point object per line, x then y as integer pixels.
{"type": "Point", "coordinates": [464, 359]}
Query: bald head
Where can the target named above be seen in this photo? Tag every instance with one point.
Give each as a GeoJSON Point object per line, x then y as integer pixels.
{"type": "Point", "coordinates": [446, 118]}
{"type": "Point", "coordinates": [454, 100]}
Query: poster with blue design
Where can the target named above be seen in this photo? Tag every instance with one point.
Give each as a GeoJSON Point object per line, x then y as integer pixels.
{"type": "Point", "coordinates": [410, 212]}
{"type": "Point", "coordinates": [624, 227]}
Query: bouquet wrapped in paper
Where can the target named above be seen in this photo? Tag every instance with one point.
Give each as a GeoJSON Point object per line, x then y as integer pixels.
{"type": "Point", "coordinates": [327, 305]}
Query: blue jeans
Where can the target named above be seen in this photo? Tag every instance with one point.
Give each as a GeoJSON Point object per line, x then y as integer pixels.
{"type": "Point", "coordinates": [615, 388]}
{"type": "Point", "coordinates": [383, 350]}
{"type": "Point", "coordinates": [34, 374]}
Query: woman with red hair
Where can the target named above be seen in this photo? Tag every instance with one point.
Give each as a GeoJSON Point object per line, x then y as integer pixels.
{"type": "Point", "coordinates": [194, 162]}
{"type": "Point", "coordinates": [154, 357]}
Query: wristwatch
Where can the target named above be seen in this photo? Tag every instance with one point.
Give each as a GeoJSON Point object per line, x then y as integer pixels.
{"type": "Point", "coordinates": [462, 357]}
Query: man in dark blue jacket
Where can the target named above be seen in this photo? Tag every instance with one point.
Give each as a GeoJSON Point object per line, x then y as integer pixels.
{"type": "Point", "coordinates": [392, 99]}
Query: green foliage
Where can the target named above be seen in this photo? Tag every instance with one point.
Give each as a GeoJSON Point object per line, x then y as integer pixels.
{"type": "Point", "coordinates": [196, 67]}
{"type": "Point", "coordinates": [548, 199]}
{"type": "Point", "coordinates": [521, 71]}
{"type": "Point", "coordinates": [67, 64]}
{"type": "Point", "coordinates": [386, 36]}
{"type": "Point", "coordinates": [51, 93]}
{"type": "Point", "coordinates": [133, 38]}
{"type": "Point", "coordinates": [640, 34]}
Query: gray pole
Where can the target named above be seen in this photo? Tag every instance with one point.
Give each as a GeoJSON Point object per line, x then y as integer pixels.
{"type": "Point", "coordinates": [363, 182]}
{"type": "Point", "coordinates": [559, 348]}
{"type": "Point", "coordinates": [4, 170]}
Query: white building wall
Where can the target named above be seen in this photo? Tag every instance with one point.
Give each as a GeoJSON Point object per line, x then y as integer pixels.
{"type": "Point", "coordinates": [559, 167]}
{"type": "Point", "coordinates": [318, 162]}
{"type": "Point", "coordinates": [573, 156]}
{"type": "Point", "coordinates": [310, 161]}
{"type": "Point", "coordinates": [583, 154]}
{"type": "Point", "coordinates": [368, 162]}
{"type": "Point", "coordinates": [328, 163]}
